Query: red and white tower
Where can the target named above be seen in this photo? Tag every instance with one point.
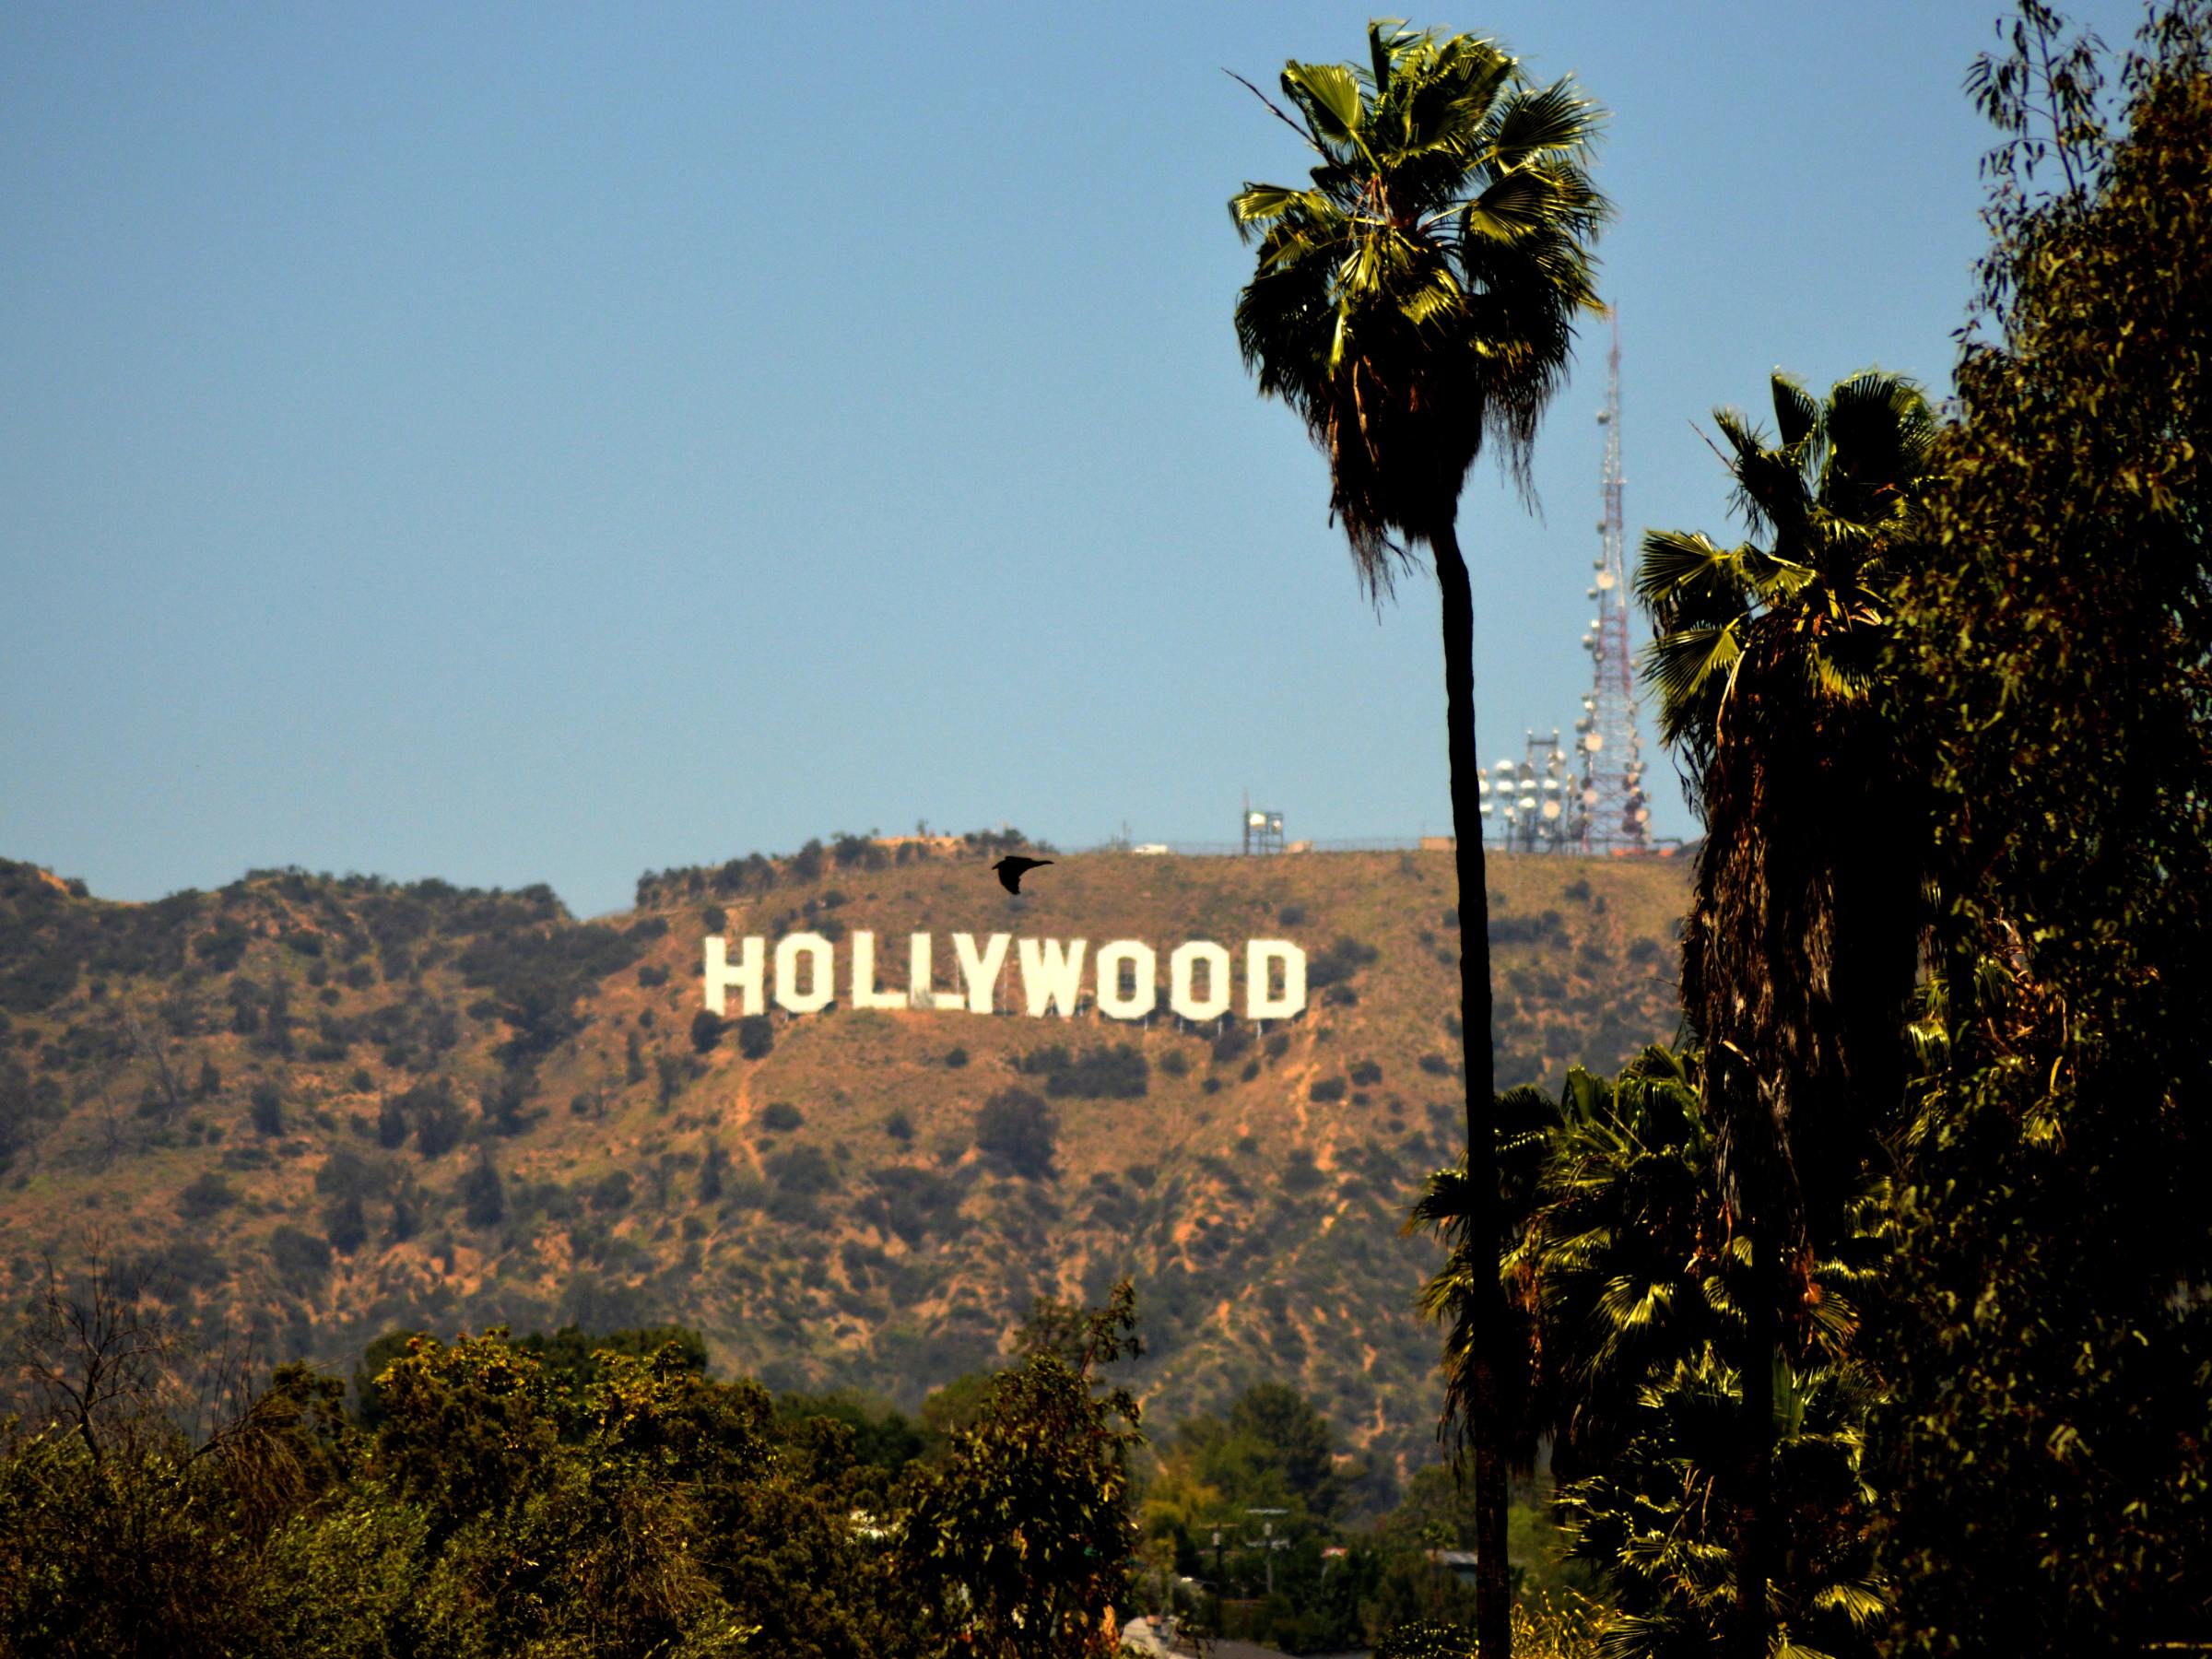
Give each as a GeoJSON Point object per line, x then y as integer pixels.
{"type": "Point", "coordinates": [1616, 816]}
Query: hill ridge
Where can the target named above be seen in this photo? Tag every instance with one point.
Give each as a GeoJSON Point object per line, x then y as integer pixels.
{"type": "Point", "coordinates": [339, 1105]}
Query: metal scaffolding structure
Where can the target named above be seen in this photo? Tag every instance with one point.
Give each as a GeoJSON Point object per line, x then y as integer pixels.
{"type": "Point", "coordinates": [1616, 816]}
{"type": "Point", "coordinates": [1532, 806]}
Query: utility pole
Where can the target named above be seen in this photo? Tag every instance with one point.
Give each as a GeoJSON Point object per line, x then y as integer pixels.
{"type": "Point", "coordinates": [1218, 1629]}
{"type": "Point", "coordinates": [1268, 1543]}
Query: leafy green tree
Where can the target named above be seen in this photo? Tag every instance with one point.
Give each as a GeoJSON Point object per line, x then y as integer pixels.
{"type": "Point", "coordinates": [2049, 1490]}
{"type": "Point", "coordinates": [1801, 943]}
{"type": "Point", "coordinates": [1024, 1536]}
{"type": "Point", "coordinates": [120, 1531]}
{"type": "Point", "coordinates": [467, 1430]}
{"type": "Point", "coordinates": [1293, 1439]}
{"type": "Point", "coordinates": [368, 1400]}
{"type": "Point", "coordinates": [1418, 299]}
{"type": "Point", "coordinates": [573, 1359]}
{"type": "Point", "coordinates": [483, 1193]}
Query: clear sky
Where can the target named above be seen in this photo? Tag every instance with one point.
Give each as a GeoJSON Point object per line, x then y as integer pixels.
{"type": "Point", "coordinates": [546, 442]}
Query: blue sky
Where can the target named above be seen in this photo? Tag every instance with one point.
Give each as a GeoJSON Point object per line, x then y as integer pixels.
{"type": "Point", "coordinates": [543, 443]}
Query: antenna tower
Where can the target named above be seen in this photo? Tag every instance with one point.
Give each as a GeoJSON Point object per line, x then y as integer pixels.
{"type": "Point", "coordinates": [1616, 816]}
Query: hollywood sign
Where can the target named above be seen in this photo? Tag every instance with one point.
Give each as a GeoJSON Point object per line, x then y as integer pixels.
{"type": "Point", "coordinates": [1126, 980]}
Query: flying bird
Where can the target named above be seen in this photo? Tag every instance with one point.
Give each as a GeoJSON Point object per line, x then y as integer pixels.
{"type": "Point", "coordinates": [1012, 869]}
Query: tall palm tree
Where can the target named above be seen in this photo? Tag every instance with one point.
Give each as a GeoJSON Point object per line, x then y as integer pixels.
{"type": "Point", "coordinates": [1800, 948]}
{"type": "Point", "coordinates": [1416, 299]}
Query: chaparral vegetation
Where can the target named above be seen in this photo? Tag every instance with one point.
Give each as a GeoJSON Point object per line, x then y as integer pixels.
{"type": "Point", "coordinates": [1829, 1277]}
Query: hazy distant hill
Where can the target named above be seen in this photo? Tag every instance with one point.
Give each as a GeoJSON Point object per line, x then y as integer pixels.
{"type": "Point", "coordinates": [337, 1106]}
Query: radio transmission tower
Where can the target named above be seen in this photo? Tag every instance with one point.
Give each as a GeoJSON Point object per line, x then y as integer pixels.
{"type": "Point", "coordinates": [1616, 817]}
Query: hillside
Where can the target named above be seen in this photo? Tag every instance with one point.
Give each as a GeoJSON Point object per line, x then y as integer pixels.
{"type": "Point", "coordinates": [334, 1106]}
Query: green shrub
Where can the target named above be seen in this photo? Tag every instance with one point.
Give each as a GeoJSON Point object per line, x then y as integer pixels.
{"type": "Point", "coordinates": [206, 1197]}
{"type": "Point", "coordinates": [1119, 1073]}
{"type": "Point", "coordinates": [301, 1259]}
{"type": "Point", "coordinates": [1339, 963]}
{"type": "Point", "coordinates": [706, 1030]}
{"type": "Point", "coordinates": [437, 1116]}
{"type": "Point", "coordinates": [781, 1116]}
{"type": "Point", "coordinates": [803, 1171]}
{"type": "Point", "coordinates": [268, 1109]}
{"type": "Point", "coordinates": [807, 862]}
{"type": "Point", "coordinates": [483, 1195]}
{"type": "Point", "coordinates": [756, 1036]}
{"type": "Point", "coordinates": [346, 1224]}
{"type": "Point", "coordinates": [222, 947]}
{"type": "Point", "coordinates": [913, 1204]}
{"type": "Point", "coordinates": [1019, 1132]}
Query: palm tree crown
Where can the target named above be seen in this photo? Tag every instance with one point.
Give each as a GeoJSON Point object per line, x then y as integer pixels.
{"type": "Point", "coordinates": [1799, 948]}
{"type": "Point", "coordinates": [1419, 295]}
{"type": "Point", "coordinates": [1829, 497]}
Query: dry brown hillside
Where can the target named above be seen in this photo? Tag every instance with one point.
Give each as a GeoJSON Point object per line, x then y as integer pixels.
{"type": "Point", "coordinates": [331, 1107]}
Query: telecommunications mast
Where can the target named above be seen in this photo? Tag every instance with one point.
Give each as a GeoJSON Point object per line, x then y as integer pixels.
{"type": "Point", "coordinates": [1615, 818]}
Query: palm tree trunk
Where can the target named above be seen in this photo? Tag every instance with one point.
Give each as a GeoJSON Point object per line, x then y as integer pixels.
{"type": "Point", "coordinates": [1754, 1516]}
{"type": "Point", "coordinates": [1494, 1584]}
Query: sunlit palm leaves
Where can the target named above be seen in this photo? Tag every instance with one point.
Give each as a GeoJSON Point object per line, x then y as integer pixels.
{"type": "Point", "coordinates": [1418, 295]}
{"type": "Point", "coordinates": [1828, 497]}
{"type": "Point", "coordinates": [1631, 1285]}
{"type": "Point", "coordinates": [1654, 1520]}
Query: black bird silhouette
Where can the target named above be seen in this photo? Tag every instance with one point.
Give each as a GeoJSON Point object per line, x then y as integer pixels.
{"type": "Point", "coordinates": [1012, 869]}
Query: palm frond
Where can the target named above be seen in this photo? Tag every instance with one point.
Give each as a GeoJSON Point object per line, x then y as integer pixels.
{"type": "Point", "coordinates": [1796, 415]}
{"type": "Point", "coordinates": [1515, 205]}
{"type": "Point", "coordinates": [1681, 566]}
{"type": "Point", "coordinates": [1328, 96]}
{"type": "Point", "coordinates": [1256, 205]}
{"type": "Point", "coordinates": [1538, 124]}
